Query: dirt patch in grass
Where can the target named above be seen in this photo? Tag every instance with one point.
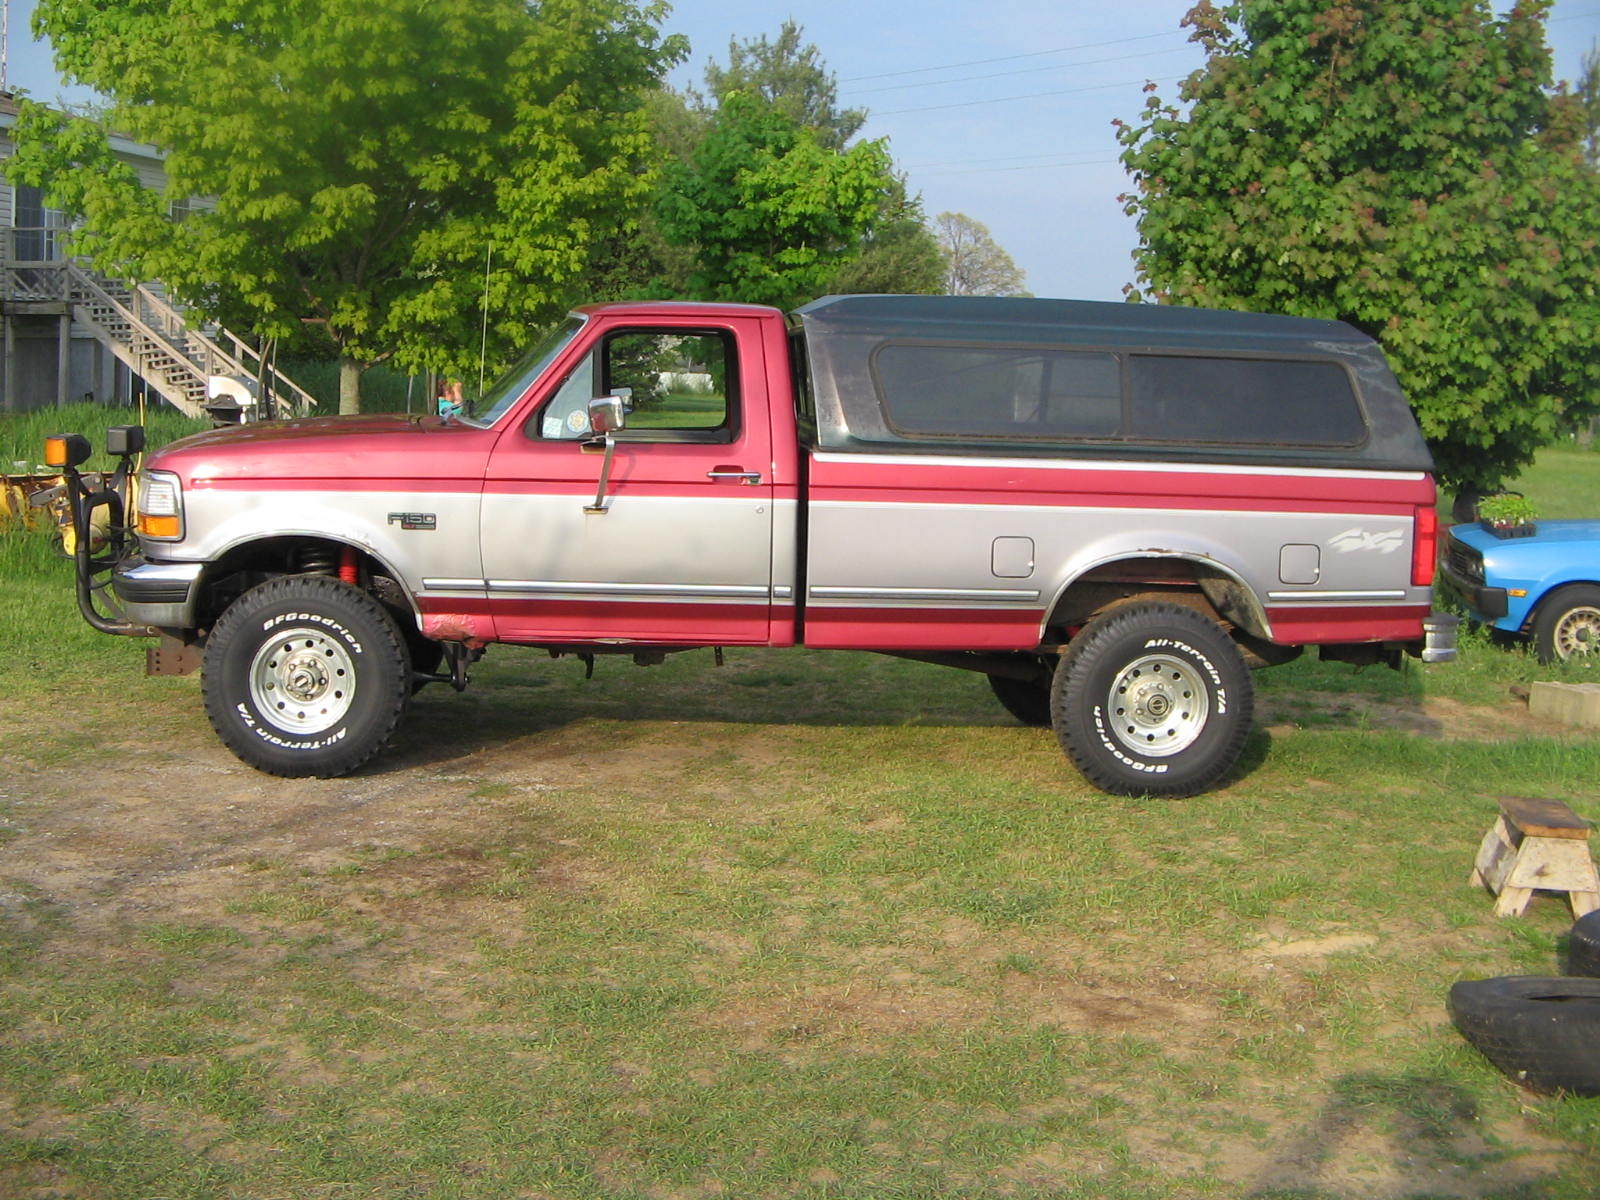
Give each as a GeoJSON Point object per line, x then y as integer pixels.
{"type": "Point", "coordinates": [713, 903]}
{"type": "Point", "coordinates": [1432, 716]}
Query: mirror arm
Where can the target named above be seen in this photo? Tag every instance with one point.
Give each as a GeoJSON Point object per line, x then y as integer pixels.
{"type": "Point", "coordinates": [599, 505]}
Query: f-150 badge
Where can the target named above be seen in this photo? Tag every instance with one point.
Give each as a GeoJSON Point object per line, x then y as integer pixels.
{"type": "Point", "coordinates": [414, 520]}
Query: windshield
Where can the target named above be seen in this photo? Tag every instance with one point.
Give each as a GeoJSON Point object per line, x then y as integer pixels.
{"type": "Point", "coordinates": [514, 384]}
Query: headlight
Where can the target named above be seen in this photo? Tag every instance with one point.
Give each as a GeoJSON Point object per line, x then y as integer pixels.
{"type": "Point", "coordinates": [160, 506]}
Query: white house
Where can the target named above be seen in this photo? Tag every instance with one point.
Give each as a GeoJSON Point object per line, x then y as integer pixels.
{"type": "Point", "coordinates": [69, 333]}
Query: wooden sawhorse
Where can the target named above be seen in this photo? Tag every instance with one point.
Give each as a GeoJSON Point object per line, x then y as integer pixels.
{"type": "Point", "coordinates": [1537, 845]}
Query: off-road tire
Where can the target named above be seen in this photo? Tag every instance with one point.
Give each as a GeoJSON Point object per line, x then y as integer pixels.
{"type": "Point", "coordinates": [1027, 702]}
{"type": "Point", "coordinates": [1152, 699]}
{"type": "Point", "coordinates": [1583, 945]}
{"type": "Point", "coordinates": [342, 682]}
{"type": "Point", "coordinates": [1568, 617]}
{"type": "Point", "coordinates": [1543, 1033]}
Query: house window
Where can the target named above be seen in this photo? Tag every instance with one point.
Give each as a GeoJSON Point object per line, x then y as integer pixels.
{"type": "Point", "coordinates": [36, 233]}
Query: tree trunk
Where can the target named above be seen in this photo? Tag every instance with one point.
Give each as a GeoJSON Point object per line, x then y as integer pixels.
{"type": "Point", "coordinates": [350, 372]}
{"type": "Point", "coordinates": [1465, 508]}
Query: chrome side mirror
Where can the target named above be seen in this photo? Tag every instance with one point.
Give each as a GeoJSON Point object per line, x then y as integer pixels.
{"type": "Point", "coordinates": [606, 415]}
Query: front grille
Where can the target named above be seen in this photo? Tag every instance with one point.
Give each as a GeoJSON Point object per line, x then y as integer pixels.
{"type": "Point", "coordinates": [1465, 562]}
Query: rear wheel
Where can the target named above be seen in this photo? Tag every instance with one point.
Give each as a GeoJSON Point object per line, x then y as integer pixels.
{"type": "Point", "coordinates": [1568, 624]}
{"type": "Point", "coordinates": [1027, 701]}
{"type": "Point", "coordinates": [1152, 698]}
{"type": "Point", "coordinates": [306, 675]}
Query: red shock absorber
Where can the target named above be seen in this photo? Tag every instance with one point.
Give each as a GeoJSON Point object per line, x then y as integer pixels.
{"type": "Point", "coordinates": [347, 566]}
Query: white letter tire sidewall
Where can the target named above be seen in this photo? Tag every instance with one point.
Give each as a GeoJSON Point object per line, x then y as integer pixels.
{"type": "Point", "coordinates": [337, 618]}
{"type": "Point", "coordinates": [1097, 739]}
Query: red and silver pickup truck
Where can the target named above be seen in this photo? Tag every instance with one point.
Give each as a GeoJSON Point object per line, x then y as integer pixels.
{"type": "Point", "coordinates": [1113, 511]}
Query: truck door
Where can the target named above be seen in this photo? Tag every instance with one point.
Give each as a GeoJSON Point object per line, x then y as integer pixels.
{"type": "Point", "coordinates": [679, 547]}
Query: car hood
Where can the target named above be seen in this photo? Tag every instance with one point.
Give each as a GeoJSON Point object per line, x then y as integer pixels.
{"type": "Point", "coordinates": [1546, 533]}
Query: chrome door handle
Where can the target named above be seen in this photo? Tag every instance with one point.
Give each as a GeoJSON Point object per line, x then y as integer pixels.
{"type": "Point", "coordinates": [750, 478]}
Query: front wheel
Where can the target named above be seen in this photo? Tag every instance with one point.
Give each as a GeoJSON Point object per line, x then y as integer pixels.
{"type": "Point", "coordinates": [1568, 625]}
{"type": "Point", "coordinates": [306, 675]}
{"type": "Point", "coordinates": [1152, 699]}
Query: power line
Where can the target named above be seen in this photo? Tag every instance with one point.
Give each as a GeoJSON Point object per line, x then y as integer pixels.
{"type": "Point", "coordinates": [1009, 158]}
{"type": "Point", "coordinates": [1088, 162]}
{"type": "Point", "coordinates": [983, 62]}
{"type": "Point", "coordinates": [1098, 87]}
{"type": "Point", "coordinates": [1088, 62]}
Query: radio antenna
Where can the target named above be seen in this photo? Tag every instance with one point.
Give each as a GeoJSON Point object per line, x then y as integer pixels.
{"type": "Point", "coordinates": [483, 344]}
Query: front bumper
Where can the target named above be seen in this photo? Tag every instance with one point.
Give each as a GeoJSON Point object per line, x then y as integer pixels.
{"type": "Point", "coordinates": [158, 594]}
{"type": "Point", "coordinates": [1490, 604]}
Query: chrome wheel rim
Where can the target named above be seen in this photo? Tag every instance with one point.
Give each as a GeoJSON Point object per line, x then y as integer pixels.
{"type": "Point", "coordinates": [302, 681]}
{"type": "Point", "coordinates": [1577, 632]}
{"type": "Point", "coordinates": [1157, 706]}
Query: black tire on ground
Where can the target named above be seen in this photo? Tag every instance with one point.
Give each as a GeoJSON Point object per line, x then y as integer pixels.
{"type": "Point", "coordinates": [1027, 702]}
{"type": "Point", "coordinates": [1567, 624]}
{"type": "Point", "coordinates": [1583, 946]}
{"type": "Point", "coordinates": [306, 675]}
{"type": "Point", "coordinates": [1543, 1033]}
{"type": "Point", "coordinates": [1152, 699]}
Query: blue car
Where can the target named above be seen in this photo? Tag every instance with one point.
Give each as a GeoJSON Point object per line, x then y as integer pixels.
{"type": "Point", "coordinates": [1544, 584]}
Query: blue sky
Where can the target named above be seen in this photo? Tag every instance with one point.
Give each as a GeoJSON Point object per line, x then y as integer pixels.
{"type": "Point", "coordinates": [1001, 110]}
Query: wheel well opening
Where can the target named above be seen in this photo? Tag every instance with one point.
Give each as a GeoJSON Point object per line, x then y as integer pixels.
{"type": "Point", "coordinates": [245, 566]}
{"type": "Point", "coordinates": [1206, 588]}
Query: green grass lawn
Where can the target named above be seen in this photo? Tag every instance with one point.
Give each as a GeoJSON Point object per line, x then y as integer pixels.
{"type": "Point", "coordinates": [811, 925]}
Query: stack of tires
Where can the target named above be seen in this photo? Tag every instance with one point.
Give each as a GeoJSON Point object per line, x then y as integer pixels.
{"type": "Point", "coordinates": [1543, 1032]}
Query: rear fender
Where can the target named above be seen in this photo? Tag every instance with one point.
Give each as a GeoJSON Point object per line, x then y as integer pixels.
{"type": "Point", "coordinates": [1222, 579]}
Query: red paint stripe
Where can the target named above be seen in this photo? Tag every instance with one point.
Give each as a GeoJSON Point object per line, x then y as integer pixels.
{"type": "Point", "coordinates": [922, 628]}
{"type": "Point", "coordinates": [1014, 484]}
{"type": "Point", "coordinates": [1125, 501]}
{"type": "Point", "coordinates": [641, 622]}
{"type": "Point", "coordinates": [1297, 625]}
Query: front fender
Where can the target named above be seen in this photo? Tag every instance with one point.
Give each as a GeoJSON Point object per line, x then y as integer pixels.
{"type": "Point", "coordinates": [222, 521]}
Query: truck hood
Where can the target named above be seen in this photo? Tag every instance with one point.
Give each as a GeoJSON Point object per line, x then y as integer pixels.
{"type": "Point", "coordinates": [319, 449]}
{"type": "Point", "coordinates": [1569, 534]}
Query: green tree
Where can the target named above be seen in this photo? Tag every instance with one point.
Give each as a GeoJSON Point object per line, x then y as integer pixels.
{"type": "Point", "coordinates": [897, 253]}
{"type": "Point", "coordinates": [778, 98]}
{"type": "Point", "coordinates": [1588, 92]}
{"type": "Point", "coordinates": [359, 158]}
{"type": "Point", "coordinates": [974, 263]}
{"type": "Point", "coordinates": [768, 209]}
{"type": "Point", "coordinates": [790, 77]}
{"type": "Point", "coordinates": [1401, 165]}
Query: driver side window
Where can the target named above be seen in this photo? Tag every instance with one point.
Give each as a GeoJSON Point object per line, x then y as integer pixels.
{"type": "Point", "coordinates": [676, 385]}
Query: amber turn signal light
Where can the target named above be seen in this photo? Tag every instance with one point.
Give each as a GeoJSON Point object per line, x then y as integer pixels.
{"type": "Point", "coordinates": [63, 450]}
{"type": "Point", "coordinates": [160, 527]}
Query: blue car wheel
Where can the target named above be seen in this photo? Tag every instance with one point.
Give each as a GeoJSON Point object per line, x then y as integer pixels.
{"type": "Point", "coordinates": [1568, 624]}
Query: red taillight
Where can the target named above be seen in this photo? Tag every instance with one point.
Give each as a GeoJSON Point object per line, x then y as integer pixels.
{"type": "Point", "coordinates": [1424, 546]}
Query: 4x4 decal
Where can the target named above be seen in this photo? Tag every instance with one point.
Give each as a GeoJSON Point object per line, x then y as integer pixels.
{"type": "Point", "coordinates": [1384, 541]}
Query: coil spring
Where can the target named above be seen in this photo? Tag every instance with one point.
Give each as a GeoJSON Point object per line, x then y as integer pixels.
{"type": "Point", "coordinates": [313, 560]}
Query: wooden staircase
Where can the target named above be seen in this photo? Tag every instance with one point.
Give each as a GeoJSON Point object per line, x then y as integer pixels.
{"type": "Point", "coordinates": [155, 340]}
